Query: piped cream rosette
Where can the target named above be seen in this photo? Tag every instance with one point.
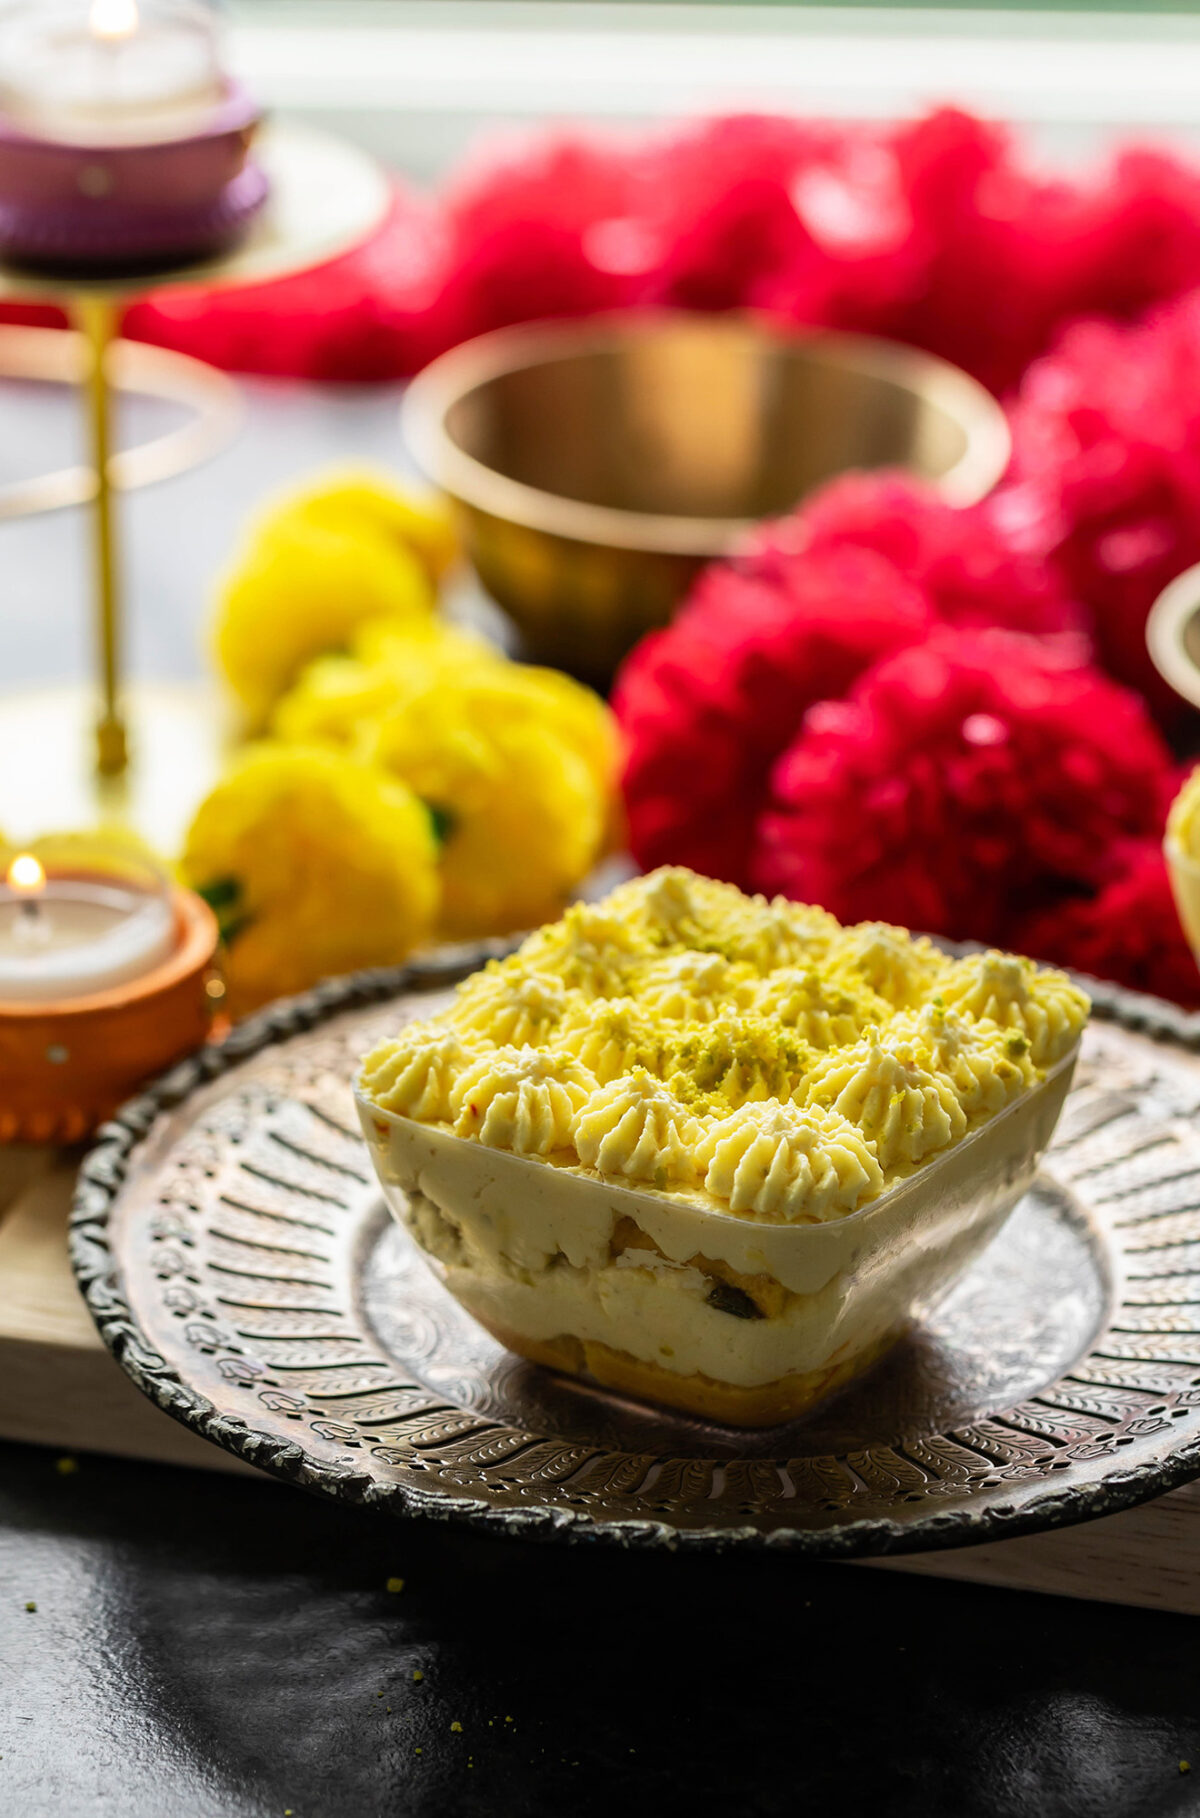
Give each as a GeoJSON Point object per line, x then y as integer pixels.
{"type": "Point", "coordinates": [717, 1151]}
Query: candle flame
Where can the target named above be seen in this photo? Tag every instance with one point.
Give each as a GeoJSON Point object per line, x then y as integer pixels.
{"type": "Point", "coordinates": [25, 875]}
{"type": "Point", "coordinates": [111, 19]}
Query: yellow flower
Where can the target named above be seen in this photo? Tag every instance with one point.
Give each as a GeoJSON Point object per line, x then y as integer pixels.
{"type": "Point", "coordinates": [517, 694]}
{"type": "Point", "coordinates": [316, 864]}
{"type": "Point", "coordinates": [355, 500]}
{"type": "Point", "coordinates": [300, 589]}
{"type": "Point", "coordinates": [520, 811]}
{"type": "Point", "coordinates": [341, 697]}
{"type": "Point", "coordinates": [386, 666]}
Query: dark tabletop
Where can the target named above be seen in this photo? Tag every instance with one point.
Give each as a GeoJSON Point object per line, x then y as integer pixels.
{"type": "Point", "coordinates": [204, 1645]}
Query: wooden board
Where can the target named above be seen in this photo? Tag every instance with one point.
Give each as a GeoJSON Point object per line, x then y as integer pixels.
{"type": "Point", "coordinates": [59, 1387]}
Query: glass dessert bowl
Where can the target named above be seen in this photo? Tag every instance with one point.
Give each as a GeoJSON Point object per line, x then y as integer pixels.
{"type": "Point", "coordinates": [717, 1152]}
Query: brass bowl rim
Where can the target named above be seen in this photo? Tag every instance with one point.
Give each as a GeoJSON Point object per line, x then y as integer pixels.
{"type": "Point", "coordinates": [1175, 607]}
{"type": "Point", "coordinates": [455, 374]}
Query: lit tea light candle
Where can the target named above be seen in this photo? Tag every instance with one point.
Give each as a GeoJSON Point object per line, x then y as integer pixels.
{"type": "Point", "coordinates": [67, 937]}
{"type": "Point", "coordinates": [110, 71]}
{"type": "Point", "coordinates": [123, 142]}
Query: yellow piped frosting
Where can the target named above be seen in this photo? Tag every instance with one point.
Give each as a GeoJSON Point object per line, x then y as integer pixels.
{"type": "Point", "coordinates": [692, 987]}
{"type": "Point", "coordinates": [612, 1036]}
{"type": "Point", "coordinates": [777, 1162]}
{"type": "Point", "coordinates": [510, 1006]}
{"type": "Point", "coordinates": [523, 1099]}
{"type": "Point", "coordinates": [824, 1012]}
{"type": "Point", "coordinates": [1015, 994]}
{"type": "Point", "coordinates": [753, 1055]}
{"type": "Point", "coordinates": [590, 950]}
{"type": "Point", "coordinates": [986, 1065]}
{"type": "Point", "coordinates": [904, 1108]}
{"type": "Point", "coordinates": [414, 1073]}
{"type": "Point", "coordinates": [736, 1058]}
{"type": "Point", "coordinates": [637, 1129]}
{"type": "Point", "coordinates": [888, 961]}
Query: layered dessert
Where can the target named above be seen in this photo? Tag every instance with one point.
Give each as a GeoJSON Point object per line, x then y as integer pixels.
{"type": "Point", "coordinates": [714, 1151]}
{"type": "Point", "coordinates": [1182, 848]}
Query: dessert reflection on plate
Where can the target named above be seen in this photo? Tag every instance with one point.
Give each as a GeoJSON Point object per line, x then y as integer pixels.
{"type": "Point", "coordinates": [713, 1151]}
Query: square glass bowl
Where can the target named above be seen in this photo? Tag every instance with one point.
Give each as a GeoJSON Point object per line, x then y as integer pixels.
{"type": "Point", "coordinates": [660, 1296]}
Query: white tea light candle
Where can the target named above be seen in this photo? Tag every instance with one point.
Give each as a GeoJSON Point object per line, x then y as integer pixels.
{"type": "Point", "coordinates": [72, 936]}
{"type": "Point", "coordinates": [105, 72]}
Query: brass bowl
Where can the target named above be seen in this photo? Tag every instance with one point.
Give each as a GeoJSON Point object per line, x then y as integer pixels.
{"type": "Point", "coordinates": [1173, 635]}
{"type": "Point", "coordinates": [597, 465]}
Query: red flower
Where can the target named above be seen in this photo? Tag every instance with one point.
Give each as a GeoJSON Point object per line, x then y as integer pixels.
{"type": "Point", "coordinates": [986, 234]}
{"type": "Point", "coordinates": [780, 214]}
{"type": "Point", "coordinates": [963, 560]}
{"type": "Point", "coordinates": [1129, 931]}
{"type": "Point", "coordinates": [365, 316]}
{"type": "Point", "coordinates": [961, 782]}
{"type": "Point", "coordinates": [1130, 235]}
{"type": "Point", "coordinates": [529, 237]}
{"type": "Point", "coordinates": [707, 705]}
{"type": "Point", "coordinates": [1107, 467]}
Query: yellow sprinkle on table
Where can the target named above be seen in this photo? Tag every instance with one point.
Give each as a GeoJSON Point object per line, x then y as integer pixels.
{"type": "Point", "coordinates": [66, 1467]}
{"type": "Point", "coordinates": [31, 1607]}
{"type": "Point", "coordinates": [1185, 1767]}
{"type": "Point", "coordinates": [456, 1726]}
{"type": "Point", "coordinates": [395, 1585]}
{"type": "Point", "coordinates": [418, 1675]}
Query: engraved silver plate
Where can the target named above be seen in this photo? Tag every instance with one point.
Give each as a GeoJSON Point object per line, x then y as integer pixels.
{"type": "Point", "coordinates": [237, 1257]}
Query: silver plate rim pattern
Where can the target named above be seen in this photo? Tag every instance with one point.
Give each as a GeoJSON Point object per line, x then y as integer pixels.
{"type": "Point", "coordinates": [1162, 1455]}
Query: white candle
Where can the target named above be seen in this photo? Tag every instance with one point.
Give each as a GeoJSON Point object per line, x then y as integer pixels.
{"type": "Point", "coordinates": [108, 71]}
{"type": "Point", "coordinates": [68, 937]}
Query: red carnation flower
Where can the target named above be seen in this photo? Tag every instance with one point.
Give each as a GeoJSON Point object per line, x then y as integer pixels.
{"type": "Point", "coordinates": [963, 560]}
{"type": "Point", "coordinates": [1129, 931]}
{"type": "Point", "coordinates": [365, 316]}
{"type": "Point", "coordinates": [527, 224]}
{"type": "Point", "coordinates": [715, 202]}
{"type": "Point", "coordinates": [987, 235]}
{"type": "Point", "coordinates": [1130, 235]}
{"type": "Point", "coordinates": [1106, 435]}
{"type": "Point", "coordinates": [707, 705]}
{"type": "Point", "coordinates": [962, 782]}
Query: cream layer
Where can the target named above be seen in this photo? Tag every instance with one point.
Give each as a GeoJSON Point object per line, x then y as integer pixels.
{"type": "Point", "coordinates": [538, 1248]}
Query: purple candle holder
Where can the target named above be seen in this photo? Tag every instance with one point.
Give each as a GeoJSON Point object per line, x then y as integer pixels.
{"type": "Point", "coordinates": [100, 209]}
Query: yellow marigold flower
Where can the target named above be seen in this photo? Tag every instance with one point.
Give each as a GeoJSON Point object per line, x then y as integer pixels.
{"type": "Point", "coordinates": [316, 864]}
{"type": "Point", "coordinates": [358, 500]}
{"type": "Point", "coordinates": [519, 810]}
{"type": "Point", "coordinates": [515, 693]}
{"type": "Point", "coordinates": [337, 696]}
{"type": "Point", "coordinates": [300, 589]}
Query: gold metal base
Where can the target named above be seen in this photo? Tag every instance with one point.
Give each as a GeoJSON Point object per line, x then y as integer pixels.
{"type": "Point", "coordinates": [48, 780]}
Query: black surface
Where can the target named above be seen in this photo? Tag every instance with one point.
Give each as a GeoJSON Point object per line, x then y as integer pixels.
{"type": "Point", "coordinates": [206, 1646]}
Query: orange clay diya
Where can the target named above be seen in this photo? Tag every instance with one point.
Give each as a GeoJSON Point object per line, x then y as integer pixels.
{"type": "Point", "coordinates": [106, 978]}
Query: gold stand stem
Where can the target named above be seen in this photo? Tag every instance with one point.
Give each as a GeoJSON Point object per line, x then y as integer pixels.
{"type": "Point", "coordinates": [97, 317]}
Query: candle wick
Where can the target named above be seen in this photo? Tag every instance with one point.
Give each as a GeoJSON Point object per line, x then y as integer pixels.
{"type": "Point", "coordinates": [33, 924]}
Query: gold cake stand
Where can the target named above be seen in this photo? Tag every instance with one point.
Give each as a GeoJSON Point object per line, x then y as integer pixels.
{"type": "Point", "coordinates": [144, 755]}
